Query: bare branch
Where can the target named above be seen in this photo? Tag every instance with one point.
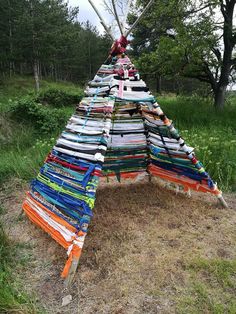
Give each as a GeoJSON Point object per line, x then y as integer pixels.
{"type": "Point", "coordinates": [108, 7]}
{"type": "Point", "coordinates": [101, 20]}
{"type": "Point", "coordinates": [126, 13]}
{"type": "Point", "coordinates": [217, 53]}
{"type": "Point", "coordinates": [116, 16]}
{"type": "Point", "coordinates": [210, 75]}
{"type": "Point", "coordinates": [120, 5]}
{"type": "Point", "coordinates": [139, 18]}
{"type": "Point", "coordinates": [193, 11]}
{"type": "Point", "coordinates": [223, 9]}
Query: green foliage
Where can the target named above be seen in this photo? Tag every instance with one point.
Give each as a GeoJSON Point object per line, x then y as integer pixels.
{"type": "Point", "coordinates": [58, 97]}
{"type": "Point", "coordinates": [15, 87]}
{"type": "Point", "coordinates": [182, 44]}
{"type": "Point", "coordinates": [40, 110]}
{"type": "Point", "coordinates": [29, 128]}
{"type": "Point", "coordinates": [184, 38]}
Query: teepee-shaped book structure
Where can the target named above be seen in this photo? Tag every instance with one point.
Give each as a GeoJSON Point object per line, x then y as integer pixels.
{"type": "Point", "coordinates": [118, 129]}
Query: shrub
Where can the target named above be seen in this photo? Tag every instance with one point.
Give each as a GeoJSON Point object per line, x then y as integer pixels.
{"type": "Point", "coordinates": [59, 97]}
{"type": "Point", "coordinates": [44, 118]}
{"type": "Point", "coordinates": [40, 110]}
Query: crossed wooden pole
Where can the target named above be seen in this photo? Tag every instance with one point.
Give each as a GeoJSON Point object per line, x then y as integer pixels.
{"type": "Point", "coordinates": [121, 25]}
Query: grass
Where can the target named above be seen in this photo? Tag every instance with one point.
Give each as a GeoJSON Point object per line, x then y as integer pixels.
{"type": "Point", "coordinates": [23, 150]}
{"type": "Point", "coordinates": [18, 86]}
{"type": "Point", "coordinates": [165, 255]}
{"type": "Point", "coordinates": [212, 133]}
{"type": "Point", "coordinates": [24, 145]}
{"type": "Point", "coordinates": [212, 287]}
{"type": "Point", "coordinates": [216, 270]}
{"type": "Point", "coordinates": [168, 256]}
{"type": "Point", "coordinates": [23, 162]}
{"type": "Point", "coordinates": [12, 297]}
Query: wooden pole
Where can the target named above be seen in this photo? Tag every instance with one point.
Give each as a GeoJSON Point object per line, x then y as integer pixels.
{"type": "Point", "coordinates": [139, 18]}
{"type": "Point", "coordinates": [126, 15]}
{"type": "Point", "coordinates": [102, 20]}
{"type": "Point", "coordinates": [69, 279]}
{"type": "Point", "coordinates": [117, 17]}
{"type": "Point", "coordinates": [222, 201]}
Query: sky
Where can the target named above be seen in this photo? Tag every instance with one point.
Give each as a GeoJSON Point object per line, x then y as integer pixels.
{"type": "Point", "coordinates": [87, 13]}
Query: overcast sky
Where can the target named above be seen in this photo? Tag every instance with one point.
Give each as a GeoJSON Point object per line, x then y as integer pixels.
{"type": "Point", "coordinates": [86, 12]}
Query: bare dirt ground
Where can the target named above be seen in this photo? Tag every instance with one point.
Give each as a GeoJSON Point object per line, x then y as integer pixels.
{"type": "Point", "coordinates": [138, 253]}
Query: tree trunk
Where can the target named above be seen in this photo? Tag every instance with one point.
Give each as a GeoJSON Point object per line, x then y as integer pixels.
{"type": "Point", "coordinates": [21, 68]}
{"type": "Point", "coordinates": [158, 84]}
{"type": "Point", "coordinates": [228, 38]}
{"type": "Point", "coordinates": [11, 63]}
{"type": "Point", "coordinates": [220, 97]}
{"type": "Point", "coordinates": [36, 75]}
{"type": "Point", "coordinates": [35, 50]}
{"type": "Point", "coordinates": [89, 57]}
{"type": "Point", "coordinates": [40, 70]}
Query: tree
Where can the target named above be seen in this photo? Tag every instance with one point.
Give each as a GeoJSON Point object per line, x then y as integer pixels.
{"type": "Point", "coordinates": [189, 38]}
{"type": "Point", "coordinates": [10, 12]}
{"type": "Point", "coordinates": [45, 38]}
{"type": "Point", "coordinates": [45, 24]}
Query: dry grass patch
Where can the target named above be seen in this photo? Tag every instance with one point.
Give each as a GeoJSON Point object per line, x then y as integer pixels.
{"type": "Point", "coordinates": [148, 251]}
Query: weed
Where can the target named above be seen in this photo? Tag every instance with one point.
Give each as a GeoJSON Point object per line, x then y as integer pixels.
{"type": "Point", "coordinates": [18, 86]}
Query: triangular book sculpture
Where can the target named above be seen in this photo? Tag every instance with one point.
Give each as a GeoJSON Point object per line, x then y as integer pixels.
{"type": "Point", "coordinates": [118, 129]}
